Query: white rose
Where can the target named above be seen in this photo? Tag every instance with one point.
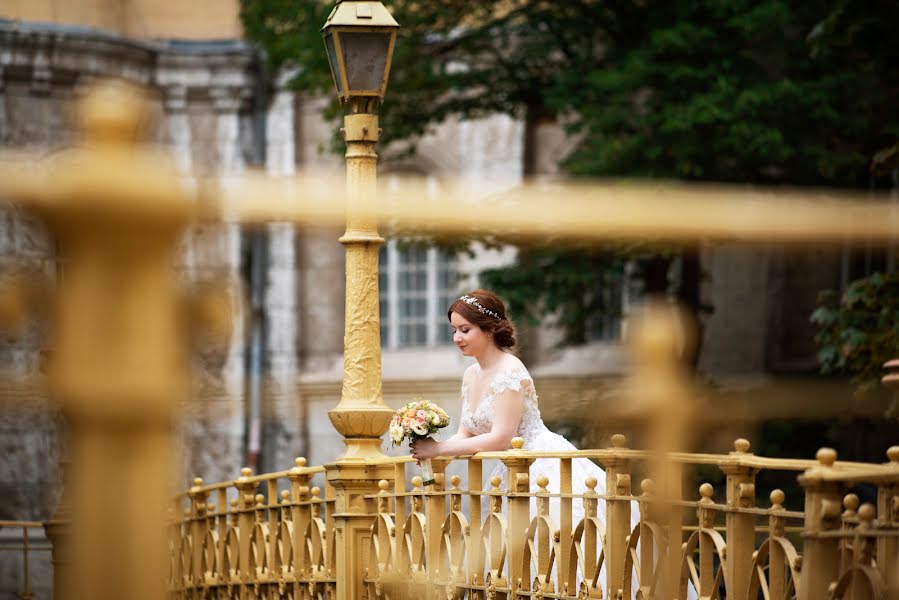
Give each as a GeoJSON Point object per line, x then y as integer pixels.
{"type": "Point", "coordinates": [396, 433]}
{"type": "Point", "coordinates": [435, 419]}
{"type": "Point", "coordinates": [419, 428]}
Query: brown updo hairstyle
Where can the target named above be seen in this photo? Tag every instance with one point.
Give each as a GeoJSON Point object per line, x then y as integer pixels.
{"type": "Point", "coordinates": [502, 329]}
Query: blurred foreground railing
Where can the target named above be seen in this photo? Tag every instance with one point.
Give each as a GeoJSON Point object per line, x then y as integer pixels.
{"type": "Point", "coordinates": [273, 535]}
{"type": "Point", "coordinates": [122, 344]}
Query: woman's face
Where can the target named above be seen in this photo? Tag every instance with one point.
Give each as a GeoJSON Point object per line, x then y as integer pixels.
{"type": "Point", "coordinates": [469, 338]}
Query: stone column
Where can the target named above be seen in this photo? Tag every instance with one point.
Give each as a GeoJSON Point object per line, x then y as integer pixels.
{"type": "Point", "coordinates": [280, 304]}
{"type": "Point", "coordinates": [178, 134]}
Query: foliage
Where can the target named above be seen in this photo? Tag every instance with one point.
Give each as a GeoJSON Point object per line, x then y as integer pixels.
{"type": "Point", "coordinates": [732, 91]}
{"type": "Point", "coordinates": [559, 280]}
{"type": "Point", "coordinates": [858, 331]}
{"type": "Point", "coordinates": [756, 91]}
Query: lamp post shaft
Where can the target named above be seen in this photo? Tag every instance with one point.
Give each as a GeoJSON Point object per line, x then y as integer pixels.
{"type": "Point", "coordinates": [361, 415]}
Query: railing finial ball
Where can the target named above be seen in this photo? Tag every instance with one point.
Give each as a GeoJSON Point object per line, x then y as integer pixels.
{"type": "Point", "coordinates": [851, 502]}
{"type": "Point", "coordinates": [741, 445]}
{"type": "Point", "coordinates": [706, 490]}
{"type": "Point", "coordinates": [246, 472]}
{"type": "Point", "coordinates": [619, 441]}
{"type": "Point", "coordinates": [316, 491]}
{"type": "Point", "coordinates": [417, 481]}
{"type": "Point", "coordinates": [648, 486]}
{"type": "Point", "coordinates": [383, 485]}
{"type": "Point", "coordinates": [543, 481]}
{"type": "Point", "coordinates": [591, 483]}
{"type": "Point", "coordinates": [111, 111]}
{"type": "Point", "coordinates": [198, 481]}
{"type": "Point", "coordinates": [259, 499]}
{"type": "Point", "coordinates": [495, 481]}
{"type": "Point", "coordinates": [517, 443]}
{"type": "Point", "coordinates": [867, 512]}
{"type": "Point", "coordinates": [826, 456]}
{"type": "Point", "coordinates": [777, 498]}
{"type": "Point", "coordinates": [285, 496]}
{"type": "Point", "coordinates": [893, 454]}
{"type": "Point", "coordinates": [300, 461]}
{"type": "Point", "coordinates": [455, 480]}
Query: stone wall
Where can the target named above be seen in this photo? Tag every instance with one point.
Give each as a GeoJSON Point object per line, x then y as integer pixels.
{"type": "Point", "coordinates": [215, 119]}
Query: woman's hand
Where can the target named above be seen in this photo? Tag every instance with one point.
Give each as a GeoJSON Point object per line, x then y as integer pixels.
{"type": "Point", "coordinates": [425, 448]}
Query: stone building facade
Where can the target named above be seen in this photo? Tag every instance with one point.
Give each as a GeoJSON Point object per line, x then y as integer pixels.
{"type": "Point", "coordinates": [265, 400]}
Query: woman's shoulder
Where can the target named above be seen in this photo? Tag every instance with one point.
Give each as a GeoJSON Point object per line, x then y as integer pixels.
{"type": "Point", "coordinates": [513, 364]}
{"type": "Point", "coordinates": [510, 375]}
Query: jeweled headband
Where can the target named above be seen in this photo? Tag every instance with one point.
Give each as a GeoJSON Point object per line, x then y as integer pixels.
{"type": "Point", "coordinates": [471, 301]}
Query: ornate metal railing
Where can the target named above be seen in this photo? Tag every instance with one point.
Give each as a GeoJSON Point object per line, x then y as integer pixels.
{"type": "Point", "coordinates": [274, 535]}
{"type": "Point", "coordinates": [119, 368]}
{"type": "Point", "coordinates": [24, 546]}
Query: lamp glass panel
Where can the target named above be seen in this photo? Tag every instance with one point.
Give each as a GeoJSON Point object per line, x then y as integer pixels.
{"type": "Point", "coordinates": [332, 60]}
{"type": "Point", "coordinates": [365, 57]}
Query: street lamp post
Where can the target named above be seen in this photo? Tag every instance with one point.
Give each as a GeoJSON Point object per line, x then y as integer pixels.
{"type": "Point", "coordinates": [359, 37]}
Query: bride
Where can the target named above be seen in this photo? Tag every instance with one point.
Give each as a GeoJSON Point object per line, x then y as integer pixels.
{"type": "Point", "coordinates": [499, 402]}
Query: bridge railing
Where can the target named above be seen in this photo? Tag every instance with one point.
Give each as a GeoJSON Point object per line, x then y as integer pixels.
{"type": "Point", "coordinates": [488, 531]}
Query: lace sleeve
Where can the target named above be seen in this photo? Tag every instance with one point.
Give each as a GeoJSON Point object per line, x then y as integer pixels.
{"type": "Point", "coordinates": [513, 379]}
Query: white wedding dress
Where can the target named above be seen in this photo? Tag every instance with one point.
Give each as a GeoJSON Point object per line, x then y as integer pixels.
{"type": "Point", "coordinates": [537, 437]}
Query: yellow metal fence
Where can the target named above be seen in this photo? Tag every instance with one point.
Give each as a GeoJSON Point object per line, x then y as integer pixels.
{"type": "Point", "coordinates": [273, 535]}
{"type": "Point", "coordinates": [118, 367]}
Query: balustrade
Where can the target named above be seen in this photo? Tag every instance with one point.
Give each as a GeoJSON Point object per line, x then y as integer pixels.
{"type": "Point", "coordinates": [273, 536]}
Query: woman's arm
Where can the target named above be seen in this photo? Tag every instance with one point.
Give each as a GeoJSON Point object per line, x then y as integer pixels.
{"type": "Point", "coordinates": [508, 408]}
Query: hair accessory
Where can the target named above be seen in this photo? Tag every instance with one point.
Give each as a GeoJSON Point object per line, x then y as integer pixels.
{"type": "Point", "coordinates": [471, 301]}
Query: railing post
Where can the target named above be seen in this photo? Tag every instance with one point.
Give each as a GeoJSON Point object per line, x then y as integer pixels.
{"type": "Point", "coordinates": [823, 509]}
{"type": "Point", "coordinates": [740, 527]}
{"type": "Point", "coordinates": [435, 507]}
{"type": "Point", "coordinates": [198, 499]}
{"type": "Point", "coordinates": [519, 516]}
{"type": "Point", "coordinates": [59, 532]}
{"type": "Point", "coordinates": [888, 515]}
{"type": "Point", "coordinates": [617, 517]}
{"type": "Point", "coordinates": [246, 518]}
{"type": "Point", "coordinates": [300, 515]}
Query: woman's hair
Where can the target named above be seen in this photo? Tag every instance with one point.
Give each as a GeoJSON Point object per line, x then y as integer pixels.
{"type": "Point", "coordinates": [485, 309]}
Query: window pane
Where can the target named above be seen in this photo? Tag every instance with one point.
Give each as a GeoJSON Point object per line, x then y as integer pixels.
{"type": "Point", "coordinates": [413, 334]}
{"type": "Point", "coordinates": [414, 256]}
{"type": "Point", "coordinates": [365, 57]}
{"type": "Point", "coordinates": [413, 307]}
{"type": "Point", "coordinates": [332, 61]}
{"type": "Point", "coordinates": [412, 281]}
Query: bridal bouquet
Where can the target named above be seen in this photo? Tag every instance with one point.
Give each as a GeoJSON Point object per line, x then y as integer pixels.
{"type": "Point", "coordinates": [416, 420]}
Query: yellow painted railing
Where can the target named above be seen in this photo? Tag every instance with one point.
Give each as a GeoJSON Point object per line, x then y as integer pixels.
{"type": "Point", "coordinates": [119, 369]}
{"type": "Point", "coordinates": [273, 535]}
{"type": "Point", "coordinates": [26, 547]}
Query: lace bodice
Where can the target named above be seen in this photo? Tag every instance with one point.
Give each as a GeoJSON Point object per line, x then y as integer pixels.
{"type": "Point", "coordinates": [480, 420]}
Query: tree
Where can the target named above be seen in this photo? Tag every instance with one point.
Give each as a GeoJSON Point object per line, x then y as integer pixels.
{"type": "Point", "coordinates": [858, 330]}
{"type": "Point", "coordinates": [756, 91]}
